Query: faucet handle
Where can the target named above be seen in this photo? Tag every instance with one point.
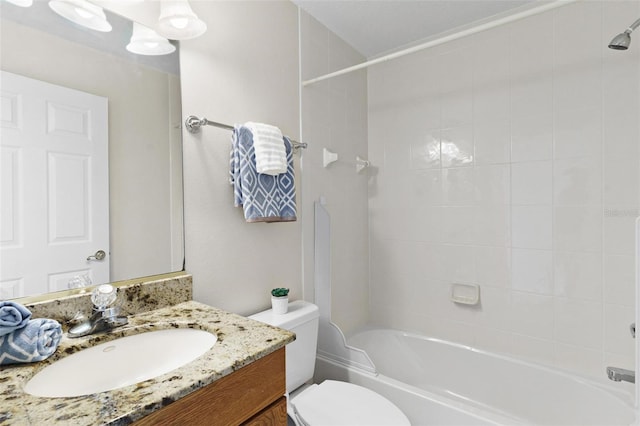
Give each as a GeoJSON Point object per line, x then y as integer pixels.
{"type": "Point", "coordinates": [632, 329]}
{"type": "Point", "coordinates": [111, 312]}
{"type": "Point", "coordinates": [103, 296]}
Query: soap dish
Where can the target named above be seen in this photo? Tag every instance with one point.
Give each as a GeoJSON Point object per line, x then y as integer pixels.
{"type": "Point", "coordinates": [466, 294]}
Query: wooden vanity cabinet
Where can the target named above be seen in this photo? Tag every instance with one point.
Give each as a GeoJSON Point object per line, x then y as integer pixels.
{"type": "Point", "coordinates": [252, 395]}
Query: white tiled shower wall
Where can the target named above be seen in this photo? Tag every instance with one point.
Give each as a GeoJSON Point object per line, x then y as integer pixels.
{"type": "Point", "coordinates": [335, 117]}
{"type": "Point", "coordinates": [510, 159]}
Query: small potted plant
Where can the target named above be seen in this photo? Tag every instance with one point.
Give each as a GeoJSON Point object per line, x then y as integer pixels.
{"type": "Point", "coordinates": [280, 300]}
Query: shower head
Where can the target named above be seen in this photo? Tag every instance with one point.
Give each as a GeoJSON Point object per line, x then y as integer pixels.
{"type": "Point", "coordinates": [623, 40]}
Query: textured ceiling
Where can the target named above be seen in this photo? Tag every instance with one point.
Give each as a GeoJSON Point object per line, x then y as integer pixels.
{"type": "Point", "coordinates": [374, 27]}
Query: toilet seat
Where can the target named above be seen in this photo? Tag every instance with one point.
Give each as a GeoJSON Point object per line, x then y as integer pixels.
{"type": "Point", "coordinates": [334, 403]}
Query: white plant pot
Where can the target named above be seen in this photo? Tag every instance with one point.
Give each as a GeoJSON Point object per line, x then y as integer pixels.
{"type": "Point", "coordinates": [280, 305]}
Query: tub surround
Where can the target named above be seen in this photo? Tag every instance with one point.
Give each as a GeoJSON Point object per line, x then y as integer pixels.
{"type": "Point", "coordinates": [241, 341]}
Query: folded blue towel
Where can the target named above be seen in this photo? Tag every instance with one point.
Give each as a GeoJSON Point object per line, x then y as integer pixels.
{"type": "Point", "coordinates": [12, 317]}
{"type": "Point", "coordinates": [264, 198]}
{"type": "Point", "coordinates": [35, 342]}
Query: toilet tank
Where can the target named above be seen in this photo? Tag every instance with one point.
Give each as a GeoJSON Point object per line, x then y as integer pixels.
{"type": "Point", "coordinates": [302, 319]}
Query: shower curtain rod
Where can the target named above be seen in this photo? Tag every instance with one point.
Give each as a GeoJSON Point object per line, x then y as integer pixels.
{"type": "Point", "coordinates": [476, 29]}
{"type": "Point", "coordinates": [193, 125]}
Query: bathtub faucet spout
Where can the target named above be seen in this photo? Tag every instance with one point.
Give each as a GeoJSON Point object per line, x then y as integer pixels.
{"type": "Point", "coordinates": [620, 374]}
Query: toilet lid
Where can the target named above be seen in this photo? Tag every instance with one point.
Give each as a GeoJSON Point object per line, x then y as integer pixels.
{"type": "Point", "coordinates": [335, 403]}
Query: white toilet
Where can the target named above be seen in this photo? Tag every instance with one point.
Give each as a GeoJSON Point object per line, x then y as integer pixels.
{"type": "Point", "coordinates": [331, 402]}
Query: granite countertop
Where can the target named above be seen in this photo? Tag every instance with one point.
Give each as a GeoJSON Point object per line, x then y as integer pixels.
{"type": "Point", "coordinates": [240, 342]}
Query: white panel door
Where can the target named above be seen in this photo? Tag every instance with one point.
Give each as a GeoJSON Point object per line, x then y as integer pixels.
{"type": "Point", "coordinates": [54, 186]}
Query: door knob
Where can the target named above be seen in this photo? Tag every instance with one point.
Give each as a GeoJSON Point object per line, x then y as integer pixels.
{"type": "Point", "coordinates": [100, 254]}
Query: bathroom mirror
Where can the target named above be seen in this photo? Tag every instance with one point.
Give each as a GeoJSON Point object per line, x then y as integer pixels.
{"type": "Point", "coordinates": [144, 178]}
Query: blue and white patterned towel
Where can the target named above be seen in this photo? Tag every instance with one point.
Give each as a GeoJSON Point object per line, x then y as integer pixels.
{"type": "Point", "coordinates": [38, 340]}
{"type": "Point", "coordinates": [12, 316]}
{"type": "Point", "coordinates": [264, 198]}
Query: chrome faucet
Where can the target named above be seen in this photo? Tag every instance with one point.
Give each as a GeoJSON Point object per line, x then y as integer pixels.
{"type": "Point", "coordinates": [99, 321]}
{"type": "Point", "coordinates": [621, 375]}
{"type": "Point", "coordinates": [103, 317]}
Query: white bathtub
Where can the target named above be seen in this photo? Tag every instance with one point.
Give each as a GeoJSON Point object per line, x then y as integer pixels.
{"type": "Point", "coordinates": [441, 383]}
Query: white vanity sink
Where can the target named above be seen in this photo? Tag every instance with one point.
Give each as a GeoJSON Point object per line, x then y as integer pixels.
{"type": "Point", "coordinates": [121, 362]}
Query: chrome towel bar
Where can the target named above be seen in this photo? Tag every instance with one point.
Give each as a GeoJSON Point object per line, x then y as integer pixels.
{"type": "Point", "coordinates": [193, 125]}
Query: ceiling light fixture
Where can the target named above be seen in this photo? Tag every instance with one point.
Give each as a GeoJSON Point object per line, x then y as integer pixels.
{"type": "Point", "coordinates": [21, 3]}
{"type": "Point", "coordinates": [178, 22]}
{"type": "Point", "coordinates": [82, 13]}
{"type": "Point", "coordinates": [145, 41]}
